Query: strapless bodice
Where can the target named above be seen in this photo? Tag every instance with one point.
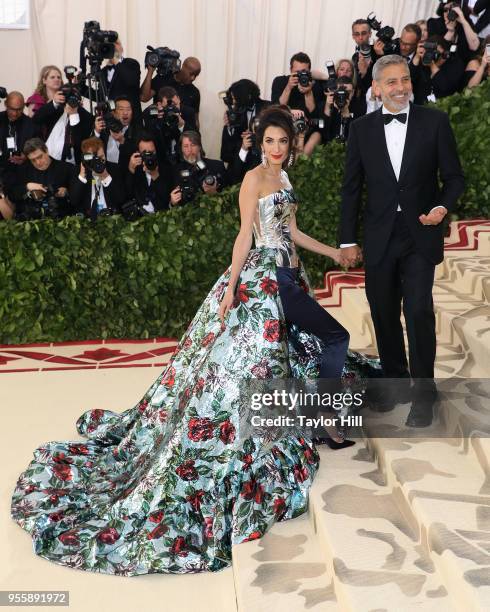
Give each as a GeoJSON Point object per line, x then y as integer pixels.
{"type": "Point", "coordinates": [271, 226]}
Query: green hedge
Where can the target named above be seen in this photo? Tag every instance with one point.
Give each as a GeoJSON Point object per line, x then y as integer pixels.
{"type": "Point", "coordinates": [75, 280]}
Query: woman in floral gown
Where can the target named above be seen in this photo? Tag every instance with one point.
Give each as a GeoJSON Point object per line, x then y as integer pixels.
{"type": "Point", "coordinates": [170, 485]}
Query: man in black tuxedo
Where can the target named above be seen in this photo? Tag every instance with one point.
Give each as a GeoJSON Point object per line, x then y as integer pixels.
{"type": "Point", "coordinates": [400, 151]}
{"type": "Point", "coordinates": [122, 77]}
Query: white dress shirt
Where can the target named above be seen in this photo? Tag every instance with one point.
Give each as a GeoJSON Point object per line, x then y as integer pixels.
{"type": "Point", "coordinates": [395, 135]}
{"type": "Point", "coordinates": [100, 184]}
{"type": "Point", "coordinates": [56, 139]}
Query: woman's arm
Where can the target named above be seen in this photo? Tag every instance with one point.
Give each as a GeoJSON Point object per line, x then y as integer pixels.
{"type": "Point", "coordinates": [310, 244]}
{"type": "Point", "coordinates": [248, 198]}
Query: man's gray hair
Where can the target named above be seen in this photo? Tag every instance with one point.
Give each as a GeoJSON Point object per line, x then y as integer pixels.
{"type": "Point", "coordinates": [385, 61]}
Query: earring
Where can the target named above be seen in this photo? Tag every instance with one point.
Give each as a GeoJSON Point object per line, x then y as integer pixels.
{"type": "Point", "coordinates": [291, 160]}
{"type": "Point", "coordinates": [265, 163]}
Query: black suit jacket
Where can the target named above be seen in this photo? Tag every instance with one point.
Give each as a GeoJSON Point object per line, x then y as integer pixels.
{"type": "Point", "coordinates": [81, 193]}
{"type": "Point", "coordinates": [484, 19]}
{"type": "Point", "coordinates": [430, 152]}
{"type": "Point", "coordinates": [158, 192]}
{"type": "Point", "coordinates": [47, 116]}
{"type": "Point", "coordinates": [231, 143]}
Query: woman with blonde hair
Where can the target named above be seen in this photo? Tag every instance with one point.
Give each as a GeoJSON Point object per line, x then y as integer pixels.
{"type": "Point", "coordinates": [50, 80]}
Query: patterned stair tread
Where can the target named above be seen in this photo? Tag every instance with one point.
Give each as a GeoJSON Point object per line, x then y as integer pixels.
{"type": "Point", "coordinates": [449, 496]}
{"type": "Point", "coordinates": [371, 538]}
{"type": "Point", "coordinates": [283, 570]}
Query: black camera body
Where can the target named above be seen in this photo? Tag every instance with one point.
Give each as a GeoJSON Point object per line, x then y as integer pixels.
{"type": "Point", "coordinates": [150, 159]}
{"type": "Point", "coordinates": [93, 163]}
{"type": "Point", "coordinates": [385, 34]}
{"type": "Point", "coordinates": [133, 210]}
{"type": "Point", "coordinates": [331, 83]}
{"type": "Point", "coordinates": [302, 124]}
{"type": "Point", "coordinates": [432, 54]}
{"type": "Point", "coordinates": [304, 77]}
{"type": "Point", "coordinates": [100, 44]}
{"type": "Point", "coordinates": [3, 93]}
{"type": "Point", "coordinates": [191, 180]}
{"type": "Point", "coordinates": [237, 116]}
{"type": "Point", "coordinates": [341, 97]}
{"type": "Point", "coordinates": [72, 95]}
{"type": "Point", "coordinates": [171, 114]}
{"type": "Point", "coordinates": [43, 205]}
{"type": "Point", "coordinates": [165, 60]}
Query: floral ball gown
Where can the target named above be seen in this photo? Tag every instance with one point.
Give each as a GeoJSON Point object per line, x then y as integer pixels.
{"type": "Point", "coordinates": [170, 485]}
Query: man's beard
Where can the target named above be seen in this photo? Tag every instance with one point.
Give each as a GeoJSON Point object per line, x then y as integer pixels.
{"type": "Point", "coordinates": [394, 103]}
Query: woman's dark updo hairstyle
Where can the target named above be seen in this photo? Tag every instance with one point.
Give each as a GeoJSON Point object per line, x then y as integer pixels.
{"type": "Point", "coordinates": [276, 115]}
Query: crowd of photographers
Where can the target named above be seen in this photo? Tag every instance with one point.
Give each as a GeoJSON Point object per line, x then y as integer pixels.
{"type": "Point", "coordinates": [57, 158]}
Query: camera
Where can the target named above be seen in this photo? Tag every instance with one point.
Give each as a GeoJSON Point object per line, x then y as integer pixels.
{"type": "Point", "coordinates": [191, 180]}
{"type": "Point", "coordinates": [237, 116]}
{"type": "Point", "coordinates": [93, 163]}
{"type": "Point", "coordinates": [133, 210]}
{"type": "Point", "coordinates": [385, 34]}
{"type": "Point", "coordinates": [304, 77]}
{"type": "Point", "coordinates": [171, 114]}
{"type": "Point", "coordinates": [40, 204]}
{"type": "Point", "coordinates": [72, 95]}
{"type": "Point", "coordinates": [302, 124]}
{"type": "Point", "coordinates": [365, 50]}
{"type": "Point", "coordinates": [3, 93]}
{"type": "Point", "coordinates": [165, 60]}
{"type": "Point", "coordinates": [100, 44]}
{"type": "Point", "coordinates": [331, 83]}
{"type": "Point", "coordinates": [432, 54]}
{"type": "Point", "coordinates": [105, 110]}
{"type": "Point", "coordinates": [341, 97]}
{"type": "Point", "coordinates": [150, 159]}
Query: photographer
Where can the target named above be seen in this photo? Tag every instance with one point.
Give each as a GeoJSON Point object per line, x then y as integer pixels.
{"type": "Point", "coordinates": [41, 180]}
{"type": "Point", "coordinates": [248, 156]}
{"type": "Point", "coordinates": [196, 173]}
{"type": "Point", "coordinates": [118, 133]}
{"type": "Point", "coordinates": [146, 182]}
{"type": "Point", "coordinates": [64, 123]}
{"type": "Point", "coordinates": [300, 92]}
{"type": "Point", "coordinates": [182, 81]}
{"type": "Point", "coordinates": [98, 188]}
{"type": "Point", "coordinates": [15, 128]}
{"type": "Point", "coordinates": [50, 80]}
{"type": "Point", "coordinates": [478, 69]}
{"type": "Point", "coordinates": [439, 73]}
{"type": "Point", "coordinates": [366, 54]}
{"type": "Point", "coordinates": [166, 121]}
{"type": "Point", "coordinates": [337, 112]}
{"type": "Point", "coordinates": [244, 104]}
{"type": "Point", "coordinates": [453, 26]}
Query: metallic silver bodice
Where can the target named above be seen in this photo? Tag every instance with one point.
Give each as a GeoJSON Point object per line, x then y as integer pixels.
{"type": "Point", "coordinates": [271, 226]}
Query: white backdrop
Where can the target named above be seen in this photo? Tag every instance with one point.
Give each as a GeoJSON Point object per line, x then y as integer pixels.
{"type": "Point", "coordinates": [233, 38]}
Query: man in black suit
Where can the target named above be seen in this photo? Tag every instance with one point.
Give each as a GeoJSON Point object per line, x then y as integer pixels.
{"type": "Point", "coordinates": [15, 129]}
{"type": "Point", "coordinates": [63, 127]}
{"type": "Point", "coordinates": [244, 96]}
{"type": "Point", "coordinates": [121, 76]}
{"type": "Point", "coordinates": [98, 188]}
{"type": "Point", "coordinates": [202, 174]}
{"type": "Point", "coordinates": [400, 151]}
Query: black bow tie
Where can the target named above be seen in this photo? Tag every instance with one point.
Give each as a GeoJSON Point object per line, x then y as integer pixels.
{"type": "Point", "coordinates": [388, 118]}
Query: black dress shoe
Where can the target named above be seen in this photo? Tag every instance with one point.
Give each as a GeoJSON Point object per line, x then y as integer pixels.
{"type": "Point", "coordinates": [332, 443]}
{"type": "Point", "coordinates": [420, 415]}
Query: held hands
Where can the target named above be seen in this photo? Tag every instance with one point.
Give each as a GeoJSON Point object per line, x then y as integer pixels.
{"type": "Point", "coordinates": [350, 256]}
{"type": "Point", "coordinates": [434, 217]}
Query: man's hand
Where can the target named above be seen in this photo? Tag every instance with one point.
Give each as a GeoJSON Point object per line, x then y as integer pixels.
{"type": "Point", "coordinates": [59, 98]}
{"type": "Point", "coordinates": [176, 196]}
{"type": "Point", "coordinates": [461, 18]}
{"type": "Point", "coordinates": [246, 140]}
{"type": "Point", "coordinates": [434, 217]}
{"type": "Point", "coordinates": [17, 160]}
{"type": "Point", "coordinates": [62, 192]}
{"type": "Point", "coordinates": [363, 64]}
{"type": "Point", "coordinates": [134, 161]}
{"type": "Point", "coordinates": [350, 256]}
{"type": "Point", "coordinates": [292, 81]}
{"type": "Point", "coordinates": [35, 187]}
{"type": "Point", "coordinates": [70, 110]}
{"type": "Point", "coordinates": [210, 188]}
{"type": "Point", "coordinates": [379, 47]}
